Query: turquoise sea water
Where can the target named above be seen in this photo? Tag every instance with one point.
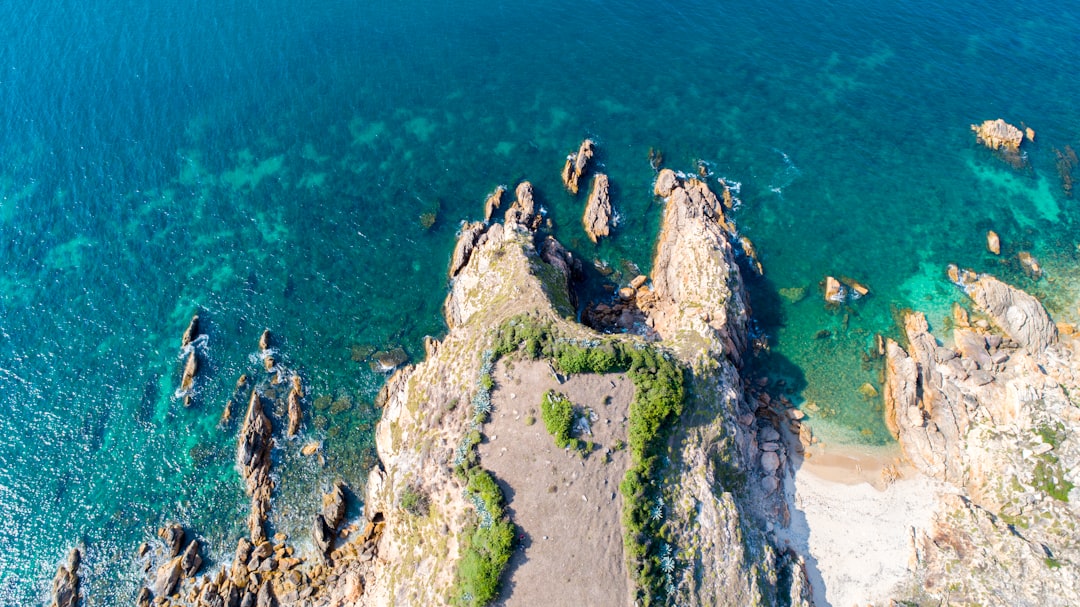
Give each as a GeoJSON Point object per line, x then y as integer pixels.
{"type": "Point", "coordinates": [267, 164]}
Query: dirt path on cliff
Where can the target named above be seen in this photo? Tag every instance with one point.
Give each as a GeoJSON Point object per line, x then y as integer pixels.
{"type": "Point", "coordinates": [568, 508]}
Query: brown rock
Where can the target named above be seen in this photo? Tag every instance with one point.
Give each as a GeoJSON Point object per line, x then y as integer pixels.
{"type": "Point", "coordinates": [173, 536]}
{"type": "Point", "coordinates": [144, 597]}
{"type": "Point", "coordinates": [190, 562]}
{"type": "Point", "coordinates": [523, 210]}
{"type": "Point", "coordinates": [997, 134]}
{"type": "Point", "coordinates": [333, 506]}
{"type": "Point", "coordinates": [168, 576]}
{"type": "Point", "coordinates": [993, 243]}
{"type": "Point", "coordinates": [1030, 134]}
{"type": "Point", "coordinates": [295, 413]}
{"type": "Point", "coordinates": [65, 585]}
{"type": "Point", "coordinates": [666, 182]}
{"type": "Point", "coordinates": [638, 281]}
{"type": "Point", "coordinates": [1020, 315]}
{"type": "Point", "coordinates": [598, 209]}
{"type": "Point", "coordinates": [188, 379]}
{"type": "Point", "coordinates": [1029, 264]}
{"type": "Point", "coordinates": [191, 332]}
{"type": "Point", "coordinates": [469, 239]}
{"type": "Point", "coordinates": [387, 361]}
{"type": "Point", "coordinates": [834, 291]}
{"type": "Point", "coordinates": [751, 254]}
{"type": "Point", "coordinates": [264, 340]}
{"type": "Point", "coordinates": [576, 165]}
{"type": "Point", "coordinates": [627, 293]}
{"type": "Point", "coordinates": [311, 448]}
{"type": "Point", "coordinates": [321, 535]}
{"type": "Point", "coordinates": [493, 201]}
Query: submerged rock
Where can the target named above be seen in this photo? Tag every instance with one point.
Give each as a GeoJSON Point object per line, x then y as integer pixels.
{"type": "Point", "coordinates": [993, 242]}
{"type": "Point", "coordinates": [1029, 264]}
{"type": "Point", "coordinates": [387, 361]}
{"type": "Point", "coordinates": [576, 164]}
{"type": "Point", "coordinates": [597, 216]}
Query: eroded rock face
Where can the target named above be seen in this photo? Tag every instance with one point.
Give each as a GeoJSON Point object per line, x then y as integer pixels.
{"type": "Point", "coordinates": [172, 535]}
{"type": "Point", "coordinates": [492, 203]}
{"type": "Point", "coordinates": [469, 239]}
{"type": "Point", "coordinates": [333, 506]}
{"type": "Point", "coordinates": [997, 134]}
{"type": "Point", "coordinates": [65, 585]}
{"type": "Point", "coordinates": [295, 412]}
{"type": "Point", "coordinates": [253, 459]}
{"type": "Point", "coordinates": [597, 218]}
{"type": "Point", "coordinates": [523, 210]}
{"type": "Point", "coordinates": [576, 164]}
{"type": "Point", "coordinates": [989, 416]}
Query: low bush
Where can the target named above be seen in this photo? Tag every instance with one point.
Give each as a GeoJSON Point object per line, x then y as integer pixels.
{"type": "Point", "coordinates": [558, 414]}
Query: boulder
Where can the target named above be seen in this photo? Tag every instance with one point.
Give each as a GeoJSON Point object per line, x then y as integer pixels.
{"type": "Point", "coordinates": [1019, 315]}
{"type": "Point", "coordinates": [1029, 264]}
{"type": "Point", "coordinates": [638, 281]}
{"type": "Point", "coordinates": [333, 506]}
{"type": "Point", "coordinates": [576, 164]}
{"type": "Point", "coordinates": [770, 461]}
{"type": "Point", "coordinates": [834, 290]}
{"type": "Point", "coordinates": [264, 340]}
{"type": "Point", "coordinates": [266, 596]}
{"type": "Point", "coordinates": [998, 134]}
{"type": "Point", "coordinates": [493, 201]}
{"type": "Point", "coordinates": [187, 382]}
{"type": "Point", "coordinates": [469, 239]}
{"type": "Point", "coordinates": [190, 562]}
{"type": "Point", "coordinates": [388, 360]}
{"type": "Point", "coordinates": [65, 585]}
{"type": "Point", "coordinates": [597, 216]}
{"type": "Point", "coordinates": [191, 332]}
{"type": "Point", "coordinates": [993, 242]}
{"type": "Point", "coordinates": [523, 210]}
{"type": "Point", "coordinates": [321, 535]}
{"type": "Point", "coordinates": [172, 534]}
{"type": "Point", "coordinates": [294, 411]}
{"type": "Point", "coordinates": [168, 576]}
{"type": "Point", "coordinates": [666, 182]}
{"type": "Point", "coordinates": [144, 597]}
{"type": "Point", "coordinates": [311, 448]}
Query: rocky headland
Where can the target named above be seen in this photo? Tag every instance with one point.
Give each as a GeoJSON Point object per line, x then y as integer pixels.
{"type": "Point", "coordinates": [672, 466]}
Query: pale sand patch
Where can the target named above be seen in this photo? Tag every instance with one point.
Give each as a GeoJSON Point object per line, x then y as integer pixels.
{"type": "Point", "coordinates": [568, 508]}
{"type": "Point", "coordinates": [857, 538]}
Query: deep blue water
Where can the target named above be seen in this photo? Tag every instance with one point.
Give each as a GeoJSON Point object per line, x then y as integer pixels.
{"type": "Point", "coordinates": [267, 163]}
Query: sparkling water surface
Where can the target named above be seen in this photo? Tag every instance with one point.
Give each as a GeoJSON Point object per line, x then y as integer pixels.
{"type": "Point", "coordinates": [267, 164]}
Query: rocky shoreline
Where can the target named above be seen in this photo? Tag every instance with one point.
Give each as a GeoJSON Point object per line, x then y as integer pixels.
{"type": "Point", "coordinates": [990, 416]}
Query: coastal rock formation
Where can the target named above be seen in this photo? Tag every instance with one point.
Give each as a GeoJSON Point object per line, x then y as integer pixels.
{"type": "Point", "coordinates": [576, 164]}
{"type": "Point", "coordinates": [597, 218]}
{"type": "Point", "coordinates": [65, 585]}
{"type": "Point", "coordinates": [697, 309]}
{"type": "Point", "coordinates": [998, 134]}
{"type": "Point", "coordinates": [491, 204]}
{"type": "Point", "coordinates": [294, 411]}
{"type": "Point", "coordinates": [523, 210]}
{"type": "Point", "coordinates": [172, 535]}
{"type": "Point", "coordinates": [467, 241]}
{"type": "Point", "coordinates": [253, 459]}
{"type": "Point", "coordinates": [993, 242]}
{"type": "Point", "coordinates": [992, 417]}
{"type": "Point", "coordinates": [191, 332]}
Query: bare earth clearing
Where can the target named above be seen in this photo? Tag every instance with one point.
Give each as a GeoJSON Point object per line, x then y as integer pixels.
{"type": "Point", "coordinates": [567, 507]}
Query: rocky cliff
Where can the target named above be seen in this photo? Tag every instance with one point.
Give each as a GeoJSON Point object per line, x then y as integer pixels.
{"type": "Point", "coordinates": [993, 415]}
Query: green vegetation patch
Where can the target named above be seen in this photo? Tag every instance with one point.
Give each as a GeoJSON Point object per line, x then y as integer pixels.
{"type": "Point", "coordinates": [414, 501]}
{"type": "Point", "coordinates": [558, 414]}
{"type": "Point", "coordinates": [489, 541]}
{"type": "Point", "coordinates": [1050, 478]}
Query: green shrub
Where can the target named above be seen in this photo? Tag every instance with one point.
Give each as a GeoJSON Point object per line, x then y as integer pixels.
{"type": "Point", "coordinates": [413, 501]}
{"type": "Point", "coordinates": [558, 414]}
{"type": "Point", "coordinates": [485, 554]}
{"type": "Point", "coordinates": [487, 382]}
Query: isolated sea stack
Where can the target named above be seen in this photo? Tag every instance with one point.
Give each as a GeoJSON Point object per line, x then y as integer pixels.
{"type": "Point", "coordinates": [597, 218]}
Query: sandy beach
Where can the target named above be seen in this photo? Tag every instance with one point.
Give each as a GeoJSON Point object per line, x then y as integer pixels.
{"type": "Point", "coordinates": [853, 514]}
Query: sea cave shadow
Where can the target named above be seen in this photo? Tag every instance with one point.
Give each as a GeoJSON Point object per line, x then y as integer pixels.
{"type": "Point", "coordinates": [784, 382]}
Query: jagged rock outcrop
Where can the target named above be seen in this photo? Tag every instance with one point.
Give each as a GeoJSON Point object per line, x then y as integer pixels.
{"type": "Point", "coordinates": [295, 413]}
{"type": "Point", "coordinates": [576, 165]}
{"type": "Point", "coordinates": [997, 134]}
{"type": "Point", "coordinates": [265, 352]}
{"type": "Point", "coordinates": [491, 204]}
{"type": "Point", "coordinates": [1018, 314]}
{"type": "Point", "coordinates": [467, 241]}
{"type": "Point", "coordinates": [253, 459]}
{"type": "Point", "coordinates": [333, 506]}
{"type": "Point", "coordinates": [992, 417]}
{"type": "Point", "coordinates": [696, 309]}
{"type": "Point", "coordinates": [191, 332]}
{"type": "Point", "coordinates": [172, 535]}
{"type": "Point", "coordinates": [597, 218]}
{"type": "Point", "coordinates": [65, 585]}
{"type": "Point", "coordinates": [523, 210]}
